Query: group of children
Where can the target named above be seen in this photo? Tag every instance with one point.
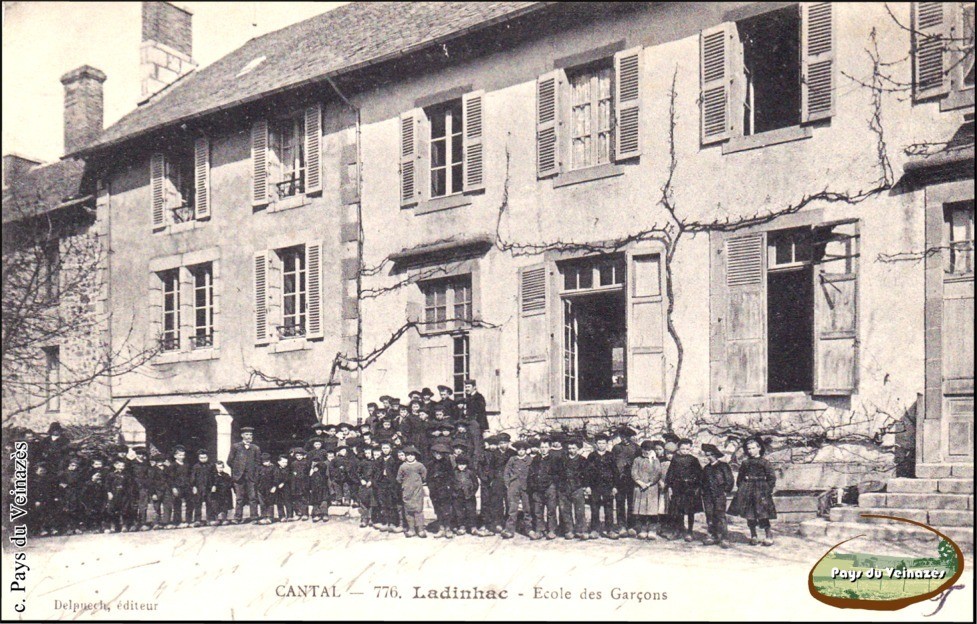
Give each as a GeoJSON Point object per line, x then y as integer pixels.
{"type": "Point", "coordinates": [404, 454]}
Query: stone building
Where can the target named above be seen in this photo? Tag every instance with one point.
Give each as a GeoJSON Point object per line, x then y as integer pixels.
{"type": "Point", "coordinates": [490, 176]}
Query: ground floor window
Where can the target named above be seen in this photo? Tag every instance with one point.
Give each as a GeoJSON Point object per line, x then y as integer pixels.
{"type": "Point", "coordinates": [594, 329]}
{"type": "Point", "coordinates": [52, 378]}
{"type": "Point", "coordinates": [461, 360]}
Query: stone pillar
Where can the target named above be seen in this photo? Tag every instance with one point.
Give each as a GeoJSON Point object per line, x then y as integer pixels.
{"type": "Point", "coordinates": [224, 425]}
{"type": "Point", "coordinates": [132, 430]}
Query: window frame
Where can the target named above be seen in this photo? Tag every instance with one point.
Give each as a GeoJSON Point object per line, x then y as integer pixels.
{"type": "Point", "coordinates": [170, 339]}
{"type": "Point", "coordinates": [460, 339]}
{"type": "Point", "coordinates": [959, 95]}
{"type": "Point", "coordinates": [448, 286]}
{"type": "Point", "coordinates": [593, 71]}
{"type": "Point", "coordinates": [950, 210]}
{"type": "Point", "coordinates": [292, 127]}
{"type": "Point", "coordinates": [300, 296]}
{"type": "Point", "coordinates": [450, 110]}
{"type": "Point", "coordinates": [202, 339]}
{"type": "Point", "coordinates": [52, 363]}
{"type": "Point", "coordinates": [179, 176]}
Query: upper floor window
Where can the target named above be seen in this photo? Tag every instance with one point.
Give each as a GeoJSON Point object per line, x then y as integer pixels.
{"type": "Point", "coordinates": [447, 303]}
{"type": "Point", "coordinates": [179, 184]}
{"type": "Point", "coordinates": [170, 336]}
{"type": "Point", "coordinates": [446, 149]}
{"type": "Point", "coordinates": [294, 292]}
{"type": "Point", "coordinates": [203, 305]}
{"type": "Point", "coordinates": [943, 53]}
{"type": "Point", "coordinates": [591, 115]}
{"type": "Point", "coordinates": [52, 378]}
{"type": "Point", "coordinates": [771, 72]}
{"type": "Point", "coordinates": [958, 235]}
{"type": "Point", "coordinates": [287, 138]}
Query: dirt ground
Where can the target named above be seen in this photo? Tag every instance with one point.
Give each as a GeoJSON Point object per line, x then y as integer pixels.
{"type": "Point", "coordinates": [302, 570]}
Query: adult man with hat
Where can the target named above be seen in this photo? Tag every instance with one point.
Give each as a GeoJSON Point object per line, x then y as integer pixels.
{"type": "Point", "coordinates": [426, 399]}
{"type": "Point", "coordinates": [624, 453]}
{"type": "Point", "coordinates": [717, 482]}
{"type": "Point", "coordinates": [447, 402]}
{"type": "Point", "coordinates": [243, 460]}
{"type": "Point", "coordinates": [54, 450]}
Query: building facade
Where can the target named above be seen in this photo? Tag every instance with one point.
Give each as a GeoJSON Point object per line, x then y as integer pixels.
{"type": "Point", "coordinates": [695, 217]}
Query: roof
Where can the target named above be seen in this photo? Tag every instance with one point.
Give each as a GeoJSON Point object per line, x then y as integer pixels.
{"type": "Point", "coordinates": [327, 45]}
{"type": "Point", "coordinates": [42, 189]}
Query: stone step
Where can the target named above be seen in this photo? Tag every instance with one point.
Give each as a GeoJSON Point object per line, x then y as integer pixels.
{"type": "Point", "coordinates": [934, 517]}
{"type": "Point", "coordinates": [917, 501]}
{"type": "Point", "coordinates": [930, 486]}
{"type": "Point", "coordinates": [941, 471]}
{"type": "Point", "coordinates": [838, 531]}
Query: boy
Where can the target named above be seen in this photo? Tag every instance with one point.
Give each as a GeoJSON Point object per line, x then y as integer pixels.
{"type": "Point", "coordinates": [411, 476]}
{"type": "Point", "coordinates": [665, 528]}
{"type": "Point", "coordinates": [573, 492]}
{"type": "Point", "coordinates": [93, 500]}
{"type": "Point", "coordinates": [684, 481]}
{"type": "Point", "coordinates": [602, 473]}
{"type": "Point", "coordinates": [279, 491]}
{"type": "Point", "coordinates": [493, 489]}
{"type": "Point", "coordinates": [264, 484]}
{"type": "Point", "coordinates": [300, 484]}
{"type": "Point", "coordinates": [333, 486]}
{"type": "Point", "coordinates": [202, 486]}
{"type": "Point", "coordinates": [515, 476]}
{"type": "Point", "coordinates": [440, 485]}
{"type": "Point", "coordinates": [70, 484]}
{"type": "Point", "coordinates": [319, 481]}
{"type": "Point", "coordinates": [367, 496]}
{"type": "Point", "coordinates": [178, 490]}
{"type": "Point", "coordinates": [346, 478]}
{"type": "Point", "coordinates": [158, 485]}
{"type": "Point", "coordinates": [624, 453]}
{"type": "Point", "coordinates": [222, 495]}
{"type": "Point", "coordinates": [463, 497]}
{"type": "Point", "coordinates": [385, 479]}
{"type": "Point", "coordinates": [543, 475]}
{"type": "Point", "coordinates": [116, 500]}
{"type": "Point", "coordinates": [46, 501]}
{"type": "Point", "coordinates": [717, 482]}
{"type": "Point", "coordinates": [142, 481]}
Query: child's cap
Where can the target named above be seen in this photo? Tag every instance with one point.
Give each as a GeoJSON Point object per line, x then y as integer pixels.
{"type": "Point", "coordinates": [711, 449]}
{"type": "Point", "coordinates": [179, 448]}
{"type": "Point", "coordinates": [520, 445]}
{"type": "Point", "coordinates": [281, 457]}
{"type": "Point", "coordinates": [462, 460]}
{"type": "Point", "coordinates": [410, 450]}
{"type": "Point", "coordinates": [504, 437]}
{"type": "Point", "coordinates": [684, 441]}
{"type": "Point", "coordinates": [266, 457]}
{"type": "Point", "coordinates": [600, 436]}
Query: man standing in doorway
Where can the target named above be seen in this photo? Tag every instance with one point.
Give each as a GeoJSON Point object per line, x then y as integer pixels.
{"type": "Point", "coordinates": [244, 459]}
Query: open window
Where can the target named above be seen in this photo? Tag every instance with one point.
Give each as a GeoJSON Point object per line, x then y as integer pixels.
{"type": "Point", "coordinates": [286, 156]}
{"type": "Point", "coordinates": [771, 70]}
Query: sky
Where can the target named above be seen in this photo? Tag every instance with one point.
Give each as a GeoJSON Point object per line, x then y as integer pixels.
{"type": "Point", "coordinates": [44, 40]}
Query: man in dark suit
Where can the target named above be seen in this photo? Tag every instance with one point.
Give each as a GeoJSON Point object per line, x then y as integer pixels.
{"type": "Point", "coordinates": [475, 403]}
{"type": "Point", "coordinates": [244, 459]}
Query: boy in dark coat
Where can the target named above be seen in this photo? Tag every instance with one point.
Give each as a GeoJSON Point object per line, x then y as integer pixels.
{"type": "Point", "coordinates": [516, 478]}
{"type": "Point", "coordinates": [385, 480]}
{"type": "Point", "coordinates": [755, 485]}
{"type": "Point", "coordinates": [543, 477]}
{"type": "Point", "coordinates": [440, 483]}
{"type": "Point", "coordinates": [300, 483]}
{"type": "Point", "coordinates": [93, 501]}
{"type": "Point", "coordinates": [116, 495]}
{"type": "Point", "coordinates": [572, 486]}
{"type": "Point", "coordinates": [223, 501]}
{"type": "Point", "coordinates": [319, 478]}
{"type": "Point", "coordinates": [493, 488]}
{"type": "Point", "coordinates": [264, 484]}
{"type": "Point", "coordinates": [279, 492]}
{"type": "Point", "coordinates": [70, 484]}
{"type": "Point", "coordinates": [602, 473]}
{"type": "Point", "coordinates": [203, 479]}
{"type": "Point", "coordinates": [367, 493]}
{"type": "Point", "coordinates": [464, 487]}
{"type": "Point", "coordinates": [142, 483]}
{"type": "Point", "coordinates": [178, 490]}
{"type": "Point", "coordinates": [717, 482]}
{"type": "Point", "coordinates": [684, 481]}
{"type": "Point", "coordinates": [158, 480]}
{"type": "Point", "coordinates": [45, 499]}
{"type": "Point", "coordinates": [624, 453]}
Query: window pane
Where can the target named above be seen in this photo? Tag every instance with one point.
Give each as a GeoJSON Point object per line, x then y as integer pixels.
{"type": "Point", "coordinates": [456, 145]}
{"type": "Point", "coordinates": [586, 277]}
{"type": "Point", "coordinates": [437, 124]}
{"type": "Point", "coordinates": [456, 178]}
{"type": "Point", "coordinates": [438, 153]}
{"type": "Point", "coordinates": [439, 183]}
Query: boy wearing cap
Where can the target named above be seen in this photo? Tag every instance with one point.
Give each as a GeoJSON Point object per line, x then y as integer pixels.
{"type": "Point", "coordinates": [717, 482]}
{"type": "Point", "coordinates": [572, 485]}
{"type": "Point", "coordinates": [440, 479]}
{"type": "Point", "coordinates": [385, 478]}
{"type": "Point", "coordinates": [264, 484]}
{"type": "Point", "coordinates": [464, 487]}
{"type": "Point", "coordinates": [69, 485]}
{"type": "Point", "coordinates": [223, 503]}
{"type": "Point", "coordinates": [411, 475]}
{"type": "Point", "coordinates": [299, 484]}
{"type": "Point", "coordinates": [516, 477]}
{"type": "Point", "coordinates": [493, 488]}
{"type": "Point", "coordinates": [203, 478]}
{"type": "Point", "coordinates": [666, 526]}
{"type": "Point", "coordinates": [602, 473]}
{"type": "Point", "coordinates": [319, 495]}
{"type": "Point", "coordinates": [93, 498]}
{"type": "Point", "coordinates": [44, 499]}
{"type": "Point", "coordinates": [543, 476]}
{"type": "Point", "coordinates": [142, 485]}
{"type": "Point", "coordinates": [178, 489]}
{"type": "Point", "coordinates": [280, 492]}
{"type": "Point", "coordinates": [624, 453]}
{"type": "Point", "coordinates": [116, 500]}
{"type": "Point", "coordinates": [684, 480]}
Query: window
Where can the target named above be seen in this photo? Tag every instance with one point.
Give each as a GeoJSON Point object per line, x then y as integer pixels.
{"type": "Point", "coordinates": [591, 115]}
{"type": "Point", "coordinates": [170, 336]}
{"type": "Point", "coordinates": [179, 165]}
{"type": "Point", "coordinates": [958, 235]}
{"type": "Point", "coordinates": [52, 378]}
{"type": "Point", "coordinates": [771, 71]}
{"type": "Point", "coordinates": [943, 53]}
{"type": "Point", "coordinates": [203, 306]}
{"type": "Point", "coordinates": [294, 292]}
{"type": "Point", "coordinates": [51, 270]}
{"type": "Point", "coordinates": [790, 311]}
{"type": "Point", "coordinates": [461, 361]}
{"type": "Point", "coordinates": [287, 137]}
{"type": "Point", "coordinates": [446, 149]}
{"type": "Point", "coordinates": [440, 296]}
{"type": "Point", "coordinates": [594, 329]}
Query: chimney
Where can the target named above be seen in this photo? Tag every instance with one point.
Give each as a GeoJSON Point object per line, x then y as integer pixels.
{"type": "Point", "coordinates": [82, 106]}
{"type": "Point", "coordinates": [166, 52]}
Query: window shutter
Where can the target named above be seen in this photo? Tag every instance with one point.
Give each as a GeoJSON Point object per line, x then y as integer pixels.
{"type": "Point", "coordinates": [201, 166]}
{"type": "Point", "coordinates": [410, 188]}
{"type": "Point", "coordinates": [261, 298]}
{"type": "Point", "coordinates": [155, 301]}
{"type": "Point", "coordinates": [817, 61]}
{"type": "Point", "coordinates": [534, 338]}
{"type": "Point", "coordinates": [627, 105]}
{"type": "Point", "coordinates": [646, 315]}
{"type": "Point", "coordinates": [715, 75]}
{"type": "Point", "coordinates": [548, 124]}
{"type": "Point", "coordinates": [313, 149]}
{"type": "Point", "coordinates": [157, 173]}
{"type": "Point", "coordinates": [835, 310]}
{"type": "Point", "coordinates": [474, 162]}
{"type": "Point", "coordinates": [259, 163]}
{"type": "Point", "coordinates": [929, 37]}
{"type": "Point", "coordinates": [485, 343]}
{"type": "Point", "coordinates": [746, 351]}
{"type": "Point", "coordinates": [313, 268]}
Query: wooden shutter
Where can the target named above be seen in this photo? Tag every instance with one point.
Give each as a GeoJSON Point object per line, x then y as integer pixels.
{"type": "Point", "coordinates": [410, 188]}
{"type": "Point", "coordinates": [627, 104]}
{"type": "Point", "coordinates": [817, 61]}
{"type": "Point", "coordinates": [836, 309]}
{"type": "Point", "coordinates": [548, 124]}
{"type": "Point", "coordinates": [746, 350]}
{"type": "Point", "coordinates": [157, 204]}
{"type": "Point", "coordinates": [473, 122]}
{"type": "Point", "coordinates": [534, 338]}
{"type": "Point", "coordinates": [313, 283]}
{"type": "Point", "coordinates": [485, 343]}
{"type": "Point", "coordinates": [929, 37]}
{"type": "Point", "coordinates": [435, 357]}
{"type": "Point", "coordinates": [645, 335]}
{"type": "Point", "coordinates": [261, 298]}
{"type": "Point", "coordinates": [716, 77]}
{"type": "Point", "coordinates": [201, 167]}
{"type": "Point", "coordinates": [259, 163]}
{"type": "Point", "coordinates": [313, 149]}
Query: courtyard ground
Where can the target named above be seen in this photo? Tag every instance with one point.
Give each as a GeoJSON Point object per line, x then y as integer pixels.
{"type": "Point", "coordinates": [262, 572]}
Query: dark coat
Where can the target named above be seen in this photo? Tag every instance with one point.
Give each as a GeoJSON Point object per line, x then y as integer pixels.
{"type": "Point", "coordinates": [717, 481]}
{"type": "Point", "coordinates": [178, 477]}
{"type": "Point", "coordinates": [602, 471]}
{"type": "Point", "coordinates": [476, 410]}
{"type": "Point", "coordinates": [754, 490]}
{"type": "Point", "coordinates": [265, 479]}
{"type": "Point", "coordinates": [244, 462]}
{"type": "Point", "coordinates": [624, 453]}
{"type": "Point", "coordinates": [116, 484]}
{"type": "Point", "coordinates": [684, 477]}
{"type": "Point", "coordinates": [544, 472]}
{"type": "Point", "coordinates": [202, 477]}
{"type": "Point", "coordinates": [575, 474]}
{"type": "Point", "coordinates": [465, 484]}
{"type": "Point", "coordinates": [222, 497]}
{"type": "Point", "coordinates": [440, 477]}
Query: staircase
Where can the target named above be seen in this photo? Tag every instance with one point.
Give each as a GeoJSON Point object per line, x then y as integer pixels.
{"type": "Point", "coordinates": [946, 504]}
